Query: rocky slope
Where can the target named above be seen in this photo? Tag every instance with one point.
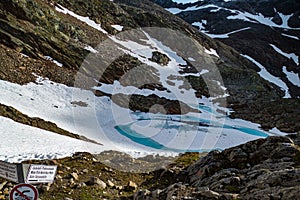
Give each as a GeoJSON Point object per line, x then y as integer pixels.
{"type": "Point", "coordinates": [262, 30]}
{"type": "Point", "coordinates": [262, 169]}
{"type": "Point", "coordinates": [251, 27]}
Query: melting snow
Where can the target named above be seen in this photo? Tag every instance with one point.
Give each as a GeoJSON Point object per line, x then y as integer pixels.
{"type": "Point", "coordinates": [86, 20]}
{"type": "Point", "coordinates": [225, 35]}
{"type": "Point", "coordinates": [24, 55]}
{"type": "Point", "coordinates": [293, 78]}
{"type": "Point", "coordinates": [245, 16]}
{"type": "Point", "coordinates": [212, 52]}
{"type": "Point", "coordinates": [269, 77]}
{"type": "Point", "coordinates": [52, 102]}
{"type": "Point", "coordinates": [290, 36]}
{"type": "Point", "coordinates": [21, 142]}
{"type": "Point", "coordinates": [200, 24]}
{"type": "Point", "coordinates": [193, 8]}
{"type": "Point", "coordinates": [288, 55]}
{"type": "Point", "coordinates": [54, 61]}
{"type": "Point", "coordinates": [91, 49]}
{"type": "Point", "coordinates": [285, 19]}
{"type": "Point", "coordinates": [186, 1]}
{"type": "Point", "coordinates": [118, 27]}
{"type": "Point", "coordinates": [98, 120]}
{"type": "Point", "coordinates": [261, 19]}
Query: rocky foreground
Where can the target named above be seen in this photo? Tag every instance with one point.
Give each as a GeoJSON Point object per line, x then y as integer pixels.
{"type": "Point", "coordinates": [262, 169]}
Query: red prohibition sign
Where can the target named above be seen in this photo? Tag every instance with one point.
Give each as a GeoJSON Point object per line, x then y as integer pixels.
{"type": "Point", "coordinates": [23, 191]}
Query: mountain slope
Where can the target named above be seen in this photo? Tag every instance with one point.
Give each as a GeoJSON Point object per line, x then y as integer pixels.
{"type": "Point", "coordinates": [101, 69]}
{"type": "Point", "coordinates": [144, 86]}
{"type": "Point", "coordinates": [261, 30]}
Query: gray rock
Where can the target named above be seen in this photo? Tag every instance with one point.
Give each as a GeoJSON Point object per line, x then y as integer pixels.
{"type": "Point", "coordinates": [96, 181]}
{"type": "Point", "coordinates": [141, 195]}
{"type": "Point", "coordinates": [74, 175]}
{"type": "Point", "coordinates": [110, 183]}
{"type": "Point", "coordinates": [209, 194]}
{"type": "Point", "coordinates": [160, 58]}
{"type": "Point", "coordinates": [131, 185]}
{"type": "Point", "coordinates": [2, 185]}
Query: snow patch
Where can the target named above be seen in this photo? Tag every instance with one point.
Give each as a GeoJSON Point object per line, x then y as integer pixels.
{"type": "Point", "coordinates": [91, 49]}
{"type": "Point", "coordinates": [191, 59]}
{"type": "Point", "coordinates": [86, 20]}
{"type": "Point", "coordinates": [212, 52]}
{"type": "Point", "coordinates": [186, 1]}
{"type": "Point", "coordinates": [288, 55]}
{"type": "Point", "coordinates": [118, 27]}
{"type": "Point", "coordinates": [293, 78]}
{"type": "Point", "coordinates": [285, 19]}
{"type": "Point", "coordinates": [52, 102]}
{"type": "Point", "coordinates": [269, 77]}
{"type": "Point", "coordinates": [290, 36]}
{"type": "Point", "coordinates": [225, 35]}
{"type": "Point", "coordinates": [24, 55]}
{"type": "Point", "coordinates": [193, 8]}
{"type": "Point", "coordinates": [200, 24]}
{"type": "Point", "coordinates": [54, 61]}
{"type": "Point", "coordinates": [22, 142]}
{"type": "Point", "coordinates": [260, 18]}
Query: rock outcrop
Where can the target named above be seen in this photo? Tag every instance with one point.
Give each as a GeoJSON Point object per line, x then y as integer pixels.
{"type": "Point", "coordinates": [262, 169]}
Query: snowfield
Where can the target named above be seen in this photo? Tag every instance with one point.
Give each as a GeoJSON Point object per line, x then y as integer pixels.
{"type": "Point", "coordinates": [21, 142]}
{"type": "Point", "coordinates": [101, 120]}
{"type": "Point", "coordinates": [117, 128]}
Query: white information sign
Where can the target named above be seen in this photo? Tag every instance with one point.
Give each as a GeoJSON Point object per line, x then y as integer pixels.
{"type": "Point", "coordinates": [41, 174]}
{"type": "Point", "coordinates": [9, 171]}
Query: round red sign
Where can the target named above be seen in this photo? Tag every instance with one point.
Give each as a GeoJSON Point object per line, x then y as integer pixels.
{"type": "Point", "coordinates": [24, 192]}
